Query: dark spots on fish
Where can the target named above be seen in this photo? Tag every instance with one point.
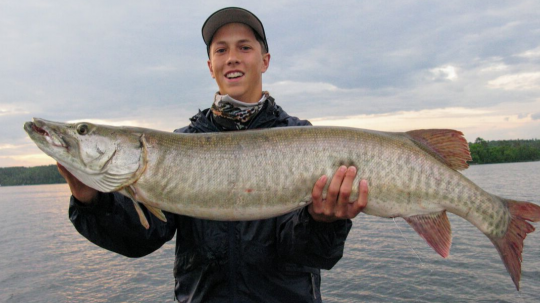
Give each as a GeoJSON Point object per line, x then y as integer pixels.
{"type": "Point", "coordinates": [478, 209]}
{"type": "Point", "coordinates": [265, 139]}
{"type": "Point", "coordinates": [499, 225]}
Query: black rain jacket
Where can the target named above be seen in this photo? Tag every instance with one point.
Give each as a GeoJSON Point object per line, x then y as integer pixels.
{"type": "Point", "coordinates": [272, 260]}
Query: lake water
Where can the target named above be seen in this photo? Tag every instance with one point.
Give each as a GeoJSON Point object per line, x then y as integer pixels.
{"type": "Point", "coordinates": [43, 258]}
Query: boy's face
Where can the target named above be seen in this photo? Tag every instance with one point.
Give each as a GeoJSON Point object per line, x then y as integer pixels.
{"type": "Point", "coordinates": [237, 62]}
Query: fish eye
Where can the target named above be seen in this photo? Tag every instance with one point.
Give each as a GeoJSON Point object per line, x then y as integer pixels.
{"type": "Point", "coordinates": [82, 129]}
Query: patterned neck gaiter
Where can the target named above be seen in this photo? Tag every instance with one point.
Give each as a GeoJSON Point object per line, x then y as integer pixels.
{"type": "Point", "coordinates": [230, 112]}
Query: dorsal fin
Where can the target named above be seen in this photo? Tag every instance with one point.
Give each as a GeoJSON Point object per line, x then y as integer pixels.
{"type": "Point", "coordinates": [447, 145]}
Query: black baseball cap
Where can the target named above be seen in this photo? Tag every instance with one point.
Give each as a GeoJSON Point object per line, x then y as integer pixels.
{"type": "Point", "coordinates": [231, 15]}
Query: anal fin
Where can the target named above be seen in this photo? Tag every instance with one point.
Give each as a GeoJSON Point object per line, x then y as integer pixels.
{"type": "Point", "coordinates": [435, 229]}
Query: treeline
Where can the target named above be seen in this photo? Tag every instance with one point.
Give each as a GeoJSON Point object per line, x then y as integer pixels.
{"type": "Point", "coordinates": [30, 175]}
{"type": "Point", "coordinates": [503, 151]}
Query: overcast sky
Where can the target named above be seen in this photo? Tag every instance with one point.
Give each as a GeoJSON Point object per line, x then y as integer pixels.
{"type": "Point", "coordinates": [384, 65]}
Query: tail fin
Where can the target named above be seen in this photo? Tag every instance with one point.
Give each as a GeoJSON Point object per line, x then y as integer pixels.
{"type": "Point", "coordinates": [510, 245]}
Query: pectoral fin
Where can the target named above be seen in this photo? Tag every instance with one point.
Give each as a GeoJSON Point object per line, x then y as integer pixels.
{"type": "Point", "coordinates": [435, 229]}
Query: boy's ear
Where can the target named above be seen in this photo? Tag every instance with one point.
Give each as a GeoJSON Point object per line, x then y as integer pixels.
{"type": "Point", "coordinates": [266, 62]}
{"type": "Point", "coordinates": [211, 69]}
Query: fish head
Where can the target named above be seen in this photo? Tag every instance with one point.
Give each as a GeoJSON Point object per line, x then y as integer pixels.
{"type": "Point", "coordinates": [106, 158]}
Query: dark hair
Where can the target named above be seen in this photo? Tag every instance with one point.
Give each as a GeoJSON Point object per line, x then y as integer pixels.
{"type": "Point", "coordinates": [260, 40]}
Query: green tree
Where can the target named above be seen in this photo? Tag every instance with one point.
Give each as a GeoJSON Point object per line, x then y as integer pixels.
{"type": "Point", "coordinates": [503, 151]}
{"type": "Point", "coordinates": [30, 175]}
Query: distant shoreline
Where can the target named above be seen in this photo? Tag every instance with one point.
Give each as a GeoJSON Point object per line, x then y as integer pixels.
{"type": "Point", "coordinates": [36, 175]}
{"type": "Point", "coordinates": [31, 184]}
{"type": "Point", "coordinates": [504, 151]}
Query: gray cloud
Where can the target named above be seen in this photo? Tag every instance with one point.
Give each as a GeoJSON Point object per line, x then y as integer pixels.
{"type": "Point", "coordinates": [141, 61]}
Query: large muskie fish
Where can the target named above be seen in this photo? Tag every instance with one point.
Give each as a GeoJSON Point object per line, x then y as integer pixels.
{"type": "Point", "coordinates": [248, 175]}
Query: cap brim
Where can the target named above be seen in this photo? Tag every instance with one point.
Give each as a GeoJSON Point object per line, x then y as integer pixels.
{"type": "Point", "coordinates": [231, 15]}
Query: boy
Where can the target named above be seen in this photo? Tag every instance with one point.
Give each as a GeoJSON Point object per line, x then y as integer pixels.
{"type": "Point", "coordinates": [273, 260]}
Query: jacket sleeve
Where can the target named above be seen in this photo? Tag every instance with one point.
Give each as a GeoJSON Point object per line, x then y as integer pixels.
{"type": "Point", "coordinates": [305, 241]}
{"type": "Point", "coordinates": [112, 223]}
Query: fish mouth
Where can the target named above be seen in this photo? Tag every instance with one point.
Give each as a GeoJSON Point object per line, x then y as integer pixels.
{"type": "Point", "coordinates": [38, 129]}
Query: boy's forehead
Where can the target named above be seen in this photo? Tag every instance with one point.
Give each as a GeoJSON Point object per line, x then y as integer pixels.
{"type": "Point", "coordinates": [233, 31]}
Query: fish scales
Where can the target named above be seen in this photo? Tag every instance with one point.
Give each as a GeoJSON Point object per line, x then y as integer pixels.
{"type": "Point", "coordinates": [285, 179]}
{"type": "Point", "coordinates": [249, 175]}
